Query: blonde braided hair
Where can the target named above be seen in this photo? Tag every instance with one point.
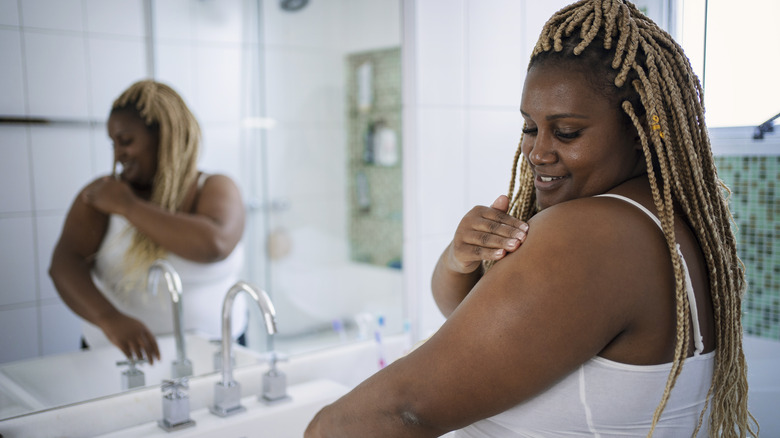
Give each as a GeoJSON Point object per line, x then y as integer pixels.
{"type": "Point", "coordinates": [163, 111]}
{"type": "Point", "coordinates": [653, 83]}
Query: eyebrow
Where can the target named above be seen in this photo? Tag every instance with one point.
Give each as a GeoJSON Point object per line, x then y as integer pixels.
{"type": "Point", "coordinates": [560, 116]}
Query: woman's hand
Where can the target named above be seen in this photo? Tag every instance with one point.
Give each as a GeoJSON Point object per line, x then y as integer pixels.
{"type": "Point", "coordinates": [485, 233]}
{"type": "Point", "coordinates": [109, 196]}
{"type": "Point", "coordinates": [131, 336]}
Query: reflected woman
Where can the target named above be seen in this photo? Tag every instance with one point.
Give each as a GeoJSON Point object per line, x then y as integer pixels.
{"type": "Point", "coordinates": [159, 206]}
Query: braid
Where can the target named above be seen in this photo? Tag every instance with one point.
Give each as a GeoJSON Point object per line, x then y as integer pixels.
{"type": "Point", "coordinates": [662, 97]}
{"type": "Point", "coordinates": [162, 109]}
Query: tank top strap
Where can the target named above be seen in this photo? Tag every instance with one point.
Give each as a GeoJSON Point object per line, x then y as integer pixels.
{"type": "Point", "coordinates": [202, 180]}
{"type": "Point", "coordinates": [697, 338]}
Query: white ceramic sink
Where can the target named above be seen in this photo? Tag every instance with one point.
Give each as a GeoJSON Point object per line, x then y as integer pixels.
{"type": "Point", "coordinates": [282, 420]}
{"type": "Point", "coordinates": [84, 375]}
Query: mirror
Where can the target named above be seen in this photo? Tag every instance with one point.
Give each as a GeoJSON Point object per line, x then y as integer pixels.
{"type": "Point", "coordinates": [301, 107]}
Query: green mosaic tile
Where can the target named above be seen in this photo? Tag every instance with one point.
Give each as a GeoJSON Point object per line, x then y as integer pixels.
{"type": "Point", "coordinates": [754, 205]}
{"type": "Point", "coordinates": [375, 224]}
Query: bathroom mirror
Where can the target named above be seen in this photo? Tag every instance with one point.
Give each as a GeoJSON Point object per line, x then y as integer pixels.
{"type": "Point", "coordinates": [301, 107]}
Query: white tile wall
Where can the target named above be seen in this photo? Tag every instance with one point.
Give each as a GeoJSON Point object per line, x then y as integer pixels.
{"type": "Point", "coordinates": [11, 88]}
{"type": "Point", "coordinates": [318, 25]}
{"type": "Point", "coordinates": [14, 170]}
{"type": "Point", "coordinates": [175, 65]}
{"type": "Point", "coordinates": [218, 81]}
{"type": "Point", "coordinates": [174, 20]}
{"type": "Point", "coordinates": [442, 180]}
{"type": "Point", "coordinates": [493, 137]}
{"type": "Point", "coordinates": [53, 14]}
{"type": "Point", "coordinates": [9, 12]}
{"type": "Point", "coordinates": [305, 85]}
{"type": "Point", "coordinates": [114, 64]}
{"type": "Point", "coordinates": [117, 17]}
{"type": "Point", "coordinates": [63, 95]}
{"type": "Point", "coordinates": [18, 263]}
{"type": "Point", "coordinates": [62, 165]}
{"type": "Point", "coordinates": [47, 232]}
{"type": "Point", "coordinates": [496, 61]}
{"type": "Point", "coordinates": [19, 331]}
{"type": "Point", "coordinates": [60, 328]}
{"type": "Point", "coordinates": [441, 56]}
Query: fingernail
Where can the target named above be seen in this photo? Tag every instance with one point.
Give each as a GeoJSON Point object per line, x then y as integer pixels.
{"type": "Point", "coordinates": [519, 235]}
{"type": "Point", "coordinates": [524, 226]}
{"type": "Point", "coordinates": [499, 253]}
{"type": "Point", "coordinates": [513, 243]}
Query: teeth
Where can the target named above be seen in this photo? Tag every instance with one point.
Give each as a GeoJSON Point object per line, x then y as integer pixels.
{"type": "Point", "coordinates": [547, 178]}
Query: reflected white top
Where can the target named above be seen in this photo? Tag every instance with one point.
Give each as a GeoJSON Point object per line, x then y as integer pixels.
{"type": "Point", "coordinates": [204, 286]}
{"type": "Point", "coordinates": [603, 398]}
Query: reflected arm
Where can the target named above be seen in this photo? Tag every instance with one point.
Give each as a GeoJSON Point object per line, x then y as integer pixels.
{"type": "Point", "coordinates": [70, 270]}
{"type": "Point", "coordinates": [208, 234]}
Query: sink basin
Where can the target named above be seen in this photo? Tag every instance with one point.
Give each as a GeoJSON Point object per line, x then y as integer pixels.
{"type": "Point", "coordinates": [84, 375]}
{"type": "Point", "coordinates": [281, 420]}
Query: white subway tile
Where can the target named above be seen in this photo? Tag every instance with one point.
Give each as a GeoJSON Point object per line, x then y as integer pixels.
{"type": "Point", "coordinates": [9, 12]}
{"type": "Point", "coordinates": [56, 75]}
{"type": "Point", "coordinates": [222, 21]}
{"type": "Point", "coordinates": [306, 161]}
{"type": "Point", "coordinates": [11, 78]}
{"type": "Point", "coordinates": [60, 329]}
{"type": "Point", "coordinates": [441, 170]}
{"type": "Point", "coordinates": [221, 150]}
{"type": "Point", "coordinates": [372, 24]}
{"type": "Point", "coordinates": [496, 61]}
{"type": "Point", "coordinates": [61, 165]}
{"type": "Point", "coordinates": [175, 66]}
{"type": "Point", "coordinates": [48, 230]}
{"type": "Point", "coordinates": [440, 58]}
{"type": "Point", "coordinates": [493, 137]}
{"type": "Point", "coordinates": [119, 17]}
{"type": "Point", "coordinates": [53, 14]}
{"type": "Point", "coordinates": [18, 334]}
{"type": "Point", "coordinates": [320, 24]}
{"type": "Point", "coordinates": [14, 170]}
{"type": "Point", "coordinates": [114, 65]}
{"type": "Point", "coordinates": [305, 86]}
{"type": "Point", "coordinates": [219, 78]}
{"type": "Point", "coordinates": [173, 20]}
{"type": "Point", "coordinates": [18, 267]}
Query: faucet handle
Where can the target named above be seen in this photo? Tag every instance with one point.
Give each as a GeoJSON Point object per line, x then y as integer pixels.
{"type": "Point", "coordinates": [176, 405]}
{"type": "Point", "coordinates": [175, 388]}
{"type": "Point", "coordinates": [131, 362]}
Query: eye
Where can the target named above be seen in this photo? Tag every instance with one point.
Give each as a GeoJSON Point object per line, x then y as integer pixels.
{"type": "Point", "coordinates": [567, 135]}
{"type": "Point", "coordinates": [529, 131]}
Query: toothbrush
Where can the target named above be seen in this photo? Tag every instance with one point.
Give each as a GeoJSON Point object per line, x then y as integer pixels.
{"type": "Point", "coordinates": [378, 338]}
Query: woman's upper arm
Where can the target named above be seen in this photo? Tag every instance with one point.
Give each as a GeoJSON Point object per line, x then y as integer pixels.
{"type": "Point", "coordinates": [220, 200]}
{"type": "Point", "coordinates": [83, 231]}
{"type": "Point", "coordinates": [533, 318]}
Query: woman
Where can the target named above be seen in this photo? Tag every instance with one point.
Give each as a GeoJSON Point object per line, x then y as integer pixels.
{"type": "Point", "coordinates": [615, 310]}
{"type": "Point", "coordinates": [159, 206]}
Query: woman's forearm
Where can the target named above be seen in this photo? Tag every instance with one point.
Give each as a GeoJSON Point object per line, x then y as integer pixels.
{"type": "Point", "coordinates": [450, 287]}
{"type": "Point", "coordinates": [190, 236]}
{"type": "Point", "coordinates": [71, 276]}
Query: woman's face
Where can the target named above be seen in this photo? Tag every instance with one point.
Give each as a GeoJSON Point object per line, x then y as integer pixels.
{"type": "Point", "coordinates": [575, 141]}
{"type": "Point", "coordinates": [135, 147]}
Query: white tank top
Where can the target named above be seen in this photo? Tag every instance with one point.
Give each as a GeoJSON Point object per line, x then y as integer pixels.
{"type": "Point", "coordinates": [604, 398]}
{"type": "Point", "coordinates": [204, 286]}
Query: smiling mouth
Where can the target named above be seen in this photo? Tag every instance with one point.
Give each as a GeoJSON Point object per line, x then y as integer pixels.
{"type": "Point", "coordinates": [549, 178]}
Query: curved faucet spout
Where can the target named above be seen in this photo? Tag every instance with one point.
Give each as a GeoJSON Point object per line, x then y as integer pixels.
{"type": "Point", "coordinates": [269, 317]}
{"type": "Point", "coordinates": [181, 366]}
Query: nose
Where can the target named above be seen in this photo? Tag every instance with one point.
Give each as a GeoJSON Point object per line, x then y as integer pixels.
{"type": "Point", "coordinates": [540, 149]}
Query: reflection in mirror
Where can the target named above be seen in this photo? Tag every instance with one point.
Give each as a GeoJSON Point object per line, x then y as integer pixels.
{"type": "Point", "coordinates": [301, 108]}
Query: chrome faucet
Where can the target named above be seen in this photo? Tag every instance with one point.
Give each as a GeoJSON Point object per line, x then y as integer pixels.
{"type": "Point", "coordinates": [227, 393]}
{"type": "Point", "coordinates": [181, 367]}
